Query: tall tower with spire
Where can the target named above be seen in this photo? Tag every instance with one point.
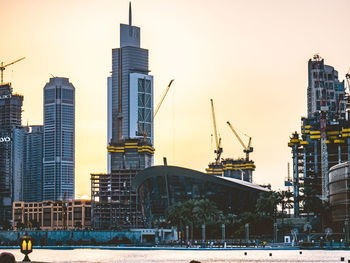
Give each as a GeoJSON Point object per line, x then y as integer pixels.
{"type": "Point", "coordinates": [130, 102]}
{"type": "Point", "coordinates": [130, 134]}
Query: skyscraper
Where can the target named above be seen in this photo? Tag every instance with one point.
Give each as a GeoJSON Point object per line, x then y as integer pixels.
{"type": "Point", "coordinates": [10, 122]}
{"type": "Point", "coordinates": [33, 164]}
{"type": "Point", "coordinates": [324, 140]}
{"type": "Point", "coordinates": [59, 139]}
{"type": "Point", "coordinates": [130, 97]}
{"type": "Point", "coordinates": [323, 83]}
{"type": "Point", "coordinates": [130, 134]}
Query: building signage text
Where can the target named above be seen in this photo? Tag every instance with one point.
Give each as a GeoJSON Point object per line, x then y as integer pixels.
{"type": "Point", "coordinates": [5, 139]}
{"type": "Point", "coordinates": [8, 96]}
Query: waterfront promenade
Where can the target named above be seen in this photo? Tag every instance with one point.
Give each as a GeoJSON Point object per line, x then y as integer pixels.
{"type": "Point", "coordinates": [158, 255]}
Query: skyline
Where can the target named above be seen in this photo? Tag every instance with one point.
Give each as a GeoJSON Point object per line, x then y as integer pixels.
{"type": "Point", "coordinates": [237, 64]}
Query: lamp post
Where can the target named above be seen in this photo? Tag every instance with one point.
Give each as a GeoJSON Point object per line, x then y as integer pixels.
{"type": "Point", "coordinates": [26, 247]}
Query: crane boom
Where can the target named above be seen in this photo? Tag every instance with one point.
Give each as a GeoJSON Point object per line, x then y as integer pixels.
{"type": "Point", "coordinates": [247, 149]}
{"type": "Point", "coordinates": [214, 123]}
{"type": "Point", "coordinates": [144, 133]}
{"type": "Point", "coordinates": [2, 68]}
{"type": "Point", "coordinates": [239, 138]}
{"type": "Point", "coordinates": [163, 97]}
{"type": "Point", "coordinates": [218, 150]}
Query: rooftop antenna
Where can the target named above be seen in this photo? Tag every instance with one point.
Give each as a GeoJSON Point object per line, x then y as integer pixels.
{"type": "Point", "coordinates": [130, 17]}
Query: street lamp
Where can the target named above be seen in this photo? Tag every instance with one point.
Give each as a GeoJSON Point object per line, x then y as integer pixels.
{"type": "Point", "coordinates": [26, 247]}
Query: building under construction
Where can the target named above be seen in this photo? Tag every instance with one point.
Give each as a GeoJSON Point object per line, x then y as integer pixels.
{"type": "Point", "coordinates": [324, 139]}
{"type": "Point", "coordinates": [130, 134]}
{"type": "Point", "coordinates": [10, 127]}
{"type": "Point", "coordinates": [240, 168]}
{"type": "Point", "coordinates": [115, 204]}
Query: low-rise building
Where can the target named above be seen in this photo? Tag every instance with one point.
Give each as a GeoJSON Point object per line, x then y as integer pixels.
{"type": "Point", "coordinates": [52, 215]}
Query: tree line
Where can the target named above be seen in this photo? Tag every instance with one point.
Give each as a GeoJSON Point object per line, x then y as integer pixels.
{"type": "Point", "coordinates": [270, 206]}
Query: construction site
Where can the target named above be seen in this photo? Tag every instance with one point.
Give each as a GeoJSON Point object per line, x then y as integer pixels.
{"type": "Point", "coordinates": [239, 168]}
{"type": "Point", "coordinates": [115, 203]}
{"type": "Point", "coordinates": [324, 139]}
{"type": "Point", "coordinates": [10, 118]}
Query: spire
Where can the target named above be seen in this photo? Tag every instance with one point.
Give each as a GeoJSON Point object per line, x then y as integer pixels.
{"type": "Point", "coordinates": [130, 17]}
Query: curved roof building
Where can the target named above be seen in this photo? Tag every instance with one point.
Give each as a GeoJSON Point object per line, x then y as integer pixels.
{"type": "Point", "coordinates": [339, 193]}
{"type": "Point", "coordinates": [161, 186]}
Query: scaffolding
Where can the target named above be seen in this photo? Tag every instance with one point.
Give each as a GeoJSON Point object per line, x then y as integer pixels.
{"type": "Point", "coordinates": [114, 203]}
{"type": "Point", "coordinates": [307, 157]}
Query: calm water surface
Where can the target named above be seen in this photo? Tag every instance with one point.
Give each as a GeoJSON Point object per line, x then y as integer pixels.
{"type": "Point", "coordinates": [133, 256]}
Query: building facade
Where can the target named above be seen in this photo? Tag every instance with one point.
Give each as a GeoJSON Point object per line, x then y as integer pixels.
{"type": "Point", "coordinates": [339, 194]}
{"type": "Point", "coordinates": [52, 215]}
{"type": "Point", "coordinates": [59, 140]}
{"type": "Point", "coordinates": [323, 83]}
{"type": "Point", "coordinates": [10, 126]}
{"type": "Point", "coordinates": [130, 91]}
{"type": "Point", "coordinates": [115, 205]}
{"type": "Point", "coordinates": [324, 138]}
{"type": "Point", "coordinates": [129, 135]}
{"type": "Point", "coordinates": [162, 186]}
{"type": "Point", "coordinates": [33, 164]}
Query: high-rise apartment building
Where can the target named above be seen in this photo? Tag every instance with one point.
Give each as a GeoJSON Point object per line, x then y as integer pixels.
{"type": "Point", "coordinates": [324, 140]}
{"type": "Point", "coordinates": [59, 140]}
{"type": "Point", "coordinates": [33, 164]}
{"type": "Point", "coordinates": [323, 83]}
{"type": "Point", "coordinates": [10, 132]}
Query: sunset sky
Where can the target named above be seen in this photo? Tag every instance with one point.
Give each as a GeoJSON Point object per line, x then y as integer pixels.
{"type": "Point", "coordinates": [250, 57]}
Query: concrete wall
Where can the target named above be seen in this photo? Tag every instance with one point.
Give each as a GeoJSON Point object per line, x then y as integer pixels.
{"type": "Point", "coordinates": [52, 238]}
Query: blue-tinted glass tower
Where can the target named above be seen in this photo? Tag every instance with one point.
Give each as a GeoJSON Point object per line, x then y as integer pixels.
{"type": "Point", "coordinates": [33, 164]}
{"type": "Point", "coordinates": [59, 139]}
{"type": "Point", "coordinates": [130, 101]}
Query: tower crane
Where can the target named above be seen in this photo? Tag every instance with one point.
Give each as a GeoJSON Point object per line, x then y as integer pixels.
{"type": "Point", "coordinates": [247, 149]}
{"type": "Point", "coordinates": [218, 149]}
{"type": "Point", "coordinates": [144, 133]}
{"type": "Point", "coordinates": [3, 67]}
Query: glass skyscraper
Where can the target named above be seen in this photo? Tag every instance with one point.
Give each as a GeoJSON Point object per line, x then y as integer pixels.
{"type": "Point", "coordinates": [33, 164]}
{"type": "Point", "coordinates": [130, 98]}
{"type": "Point", "coordinates": [11, 136]}
{"type": "Point", "coordinates": [59, 140]}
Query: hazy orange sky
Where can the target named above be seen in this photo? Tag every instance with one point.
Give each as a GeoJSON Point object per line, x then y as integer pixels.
{"type": "Point", "coordinates": [249, 56]}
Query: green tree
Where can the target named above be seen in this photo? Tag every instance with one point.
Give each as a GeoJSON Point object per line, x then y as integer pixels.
{"type": "Point", "coordinates": [175, 216]}
{"type": "Point", "coordinates": [267, 204]}
{"type": "Point", "coordinates": [205, 211]}
{"type": "Point", "coordinates": [189, 214]}
{"type": "Point", "coordinates": [285, 201]}
{"type": "Point", "coordinates": [311, 202]}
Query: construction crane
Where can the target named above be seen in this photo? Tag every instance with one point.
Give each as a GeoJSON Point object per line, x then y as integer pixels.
{"type": "Point", "coordinates": [247, 149]}
{"type": "Point", "coordinates": [218, 150]}
{"type": "Point", "coordinates": [144, 133]}
{"type": "Point", "coordinates": [323, 130]}
{"type": "Point", "coordinates": [3, 67]}
{"type": "Point", "coordinates": [163, 97]}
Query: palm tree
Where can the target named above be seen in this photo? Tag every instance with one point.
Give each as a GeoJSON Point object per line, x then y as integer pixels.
{"type": "Point", "coordinates": [189, 215]}
{"type": "Point", "coordinates": [311, 202]}
{"type": "Point", "coordinates": [284, 200]}
{"type": "Point", "coordinates": [175, 215]}
{"type": "Point", "coordinates": [205, 210]}
{"type": "Point", "coordinates": [267, 203]}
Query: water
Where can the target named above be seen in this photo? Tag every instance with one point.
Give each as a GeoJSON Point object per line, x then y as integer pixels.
{"type": "Point", "coordinates": [133, 256]}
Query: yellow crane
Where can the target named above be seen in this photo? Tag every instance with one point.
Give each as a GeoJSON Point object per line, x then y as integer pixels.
{"type": "Point", "coordinates": [218, 149]}
{"type": "Point", "coordinates": [3, 67]}
{"type": "Point", "coordinates": [247, 149]}
{"type": "Point", "coordinates": [144, 133]}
